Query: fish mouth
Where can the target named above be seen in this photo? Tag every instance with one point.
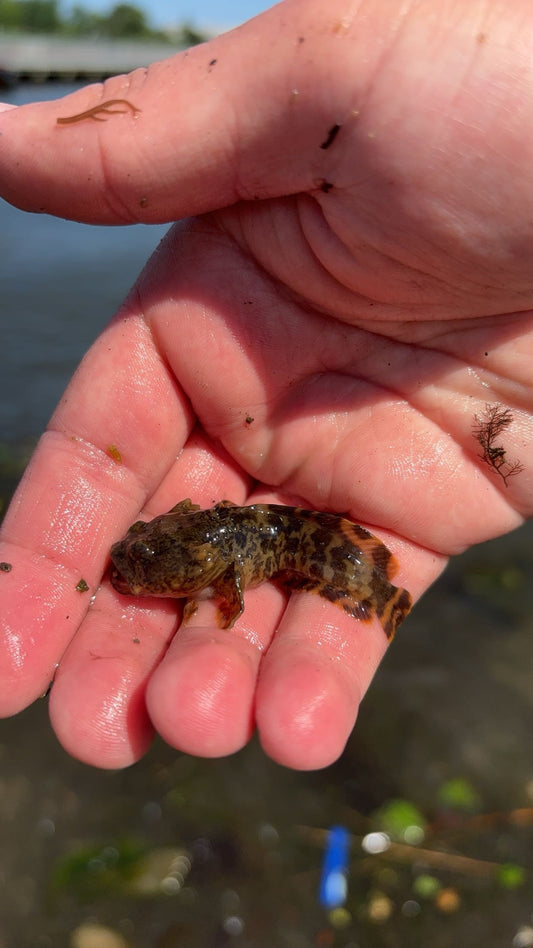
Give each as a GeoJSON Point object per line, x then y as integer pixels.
{"type": "Point", "coordinates": [128, 588]}
{"type": "Point", "coordinates": [120, 584]}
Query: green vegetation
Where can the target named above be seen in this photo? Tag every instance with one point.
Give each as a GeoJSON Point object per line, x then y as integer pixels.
{"type": "Point", "coordinates": [123, 21]}
{"type": "Point", "coordinates": [459, 794]}
{"type": "Point", "coordinates": [396, 817]}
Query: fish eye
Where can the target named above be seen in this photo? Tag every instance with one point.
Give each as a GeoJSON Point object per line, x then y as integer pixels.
{"type": "Point", "coordinates": [139, 548]}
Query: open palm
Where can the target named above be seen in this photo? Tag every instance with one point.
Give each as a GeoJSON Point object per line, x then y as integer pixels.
{"type": "Point", "coordinates": [352, 298]}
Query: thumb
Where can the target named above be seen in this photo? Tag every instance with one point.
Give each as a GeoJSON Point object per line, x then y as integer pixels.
{"type": "Point", "coordinates": [244, 116]}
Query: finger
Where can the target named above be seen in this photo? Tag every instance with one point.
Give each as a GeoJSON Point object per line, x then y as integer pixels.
{"type": "Point", "coordinates": [97, 703]}
{"type": "Point", "coordinates": [215, 124]}
{"type": "Point", "coordinates": [312, 681]}
{"type": "Point", "coordinates": [319, 667]}
{"type": "Point", "coordinates": [201, 698]}
{"type": "Point", "coordinates": [94, 467]}
{"type": "Point", "coordinates": [117, 680]}
{"type": "Point", "coordinates": [299, 673]}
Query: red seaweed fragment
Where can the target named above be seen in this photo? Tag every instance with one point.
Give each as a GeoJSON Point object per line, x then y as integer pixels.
{"type": "Point", "coordinates": [485, 430]}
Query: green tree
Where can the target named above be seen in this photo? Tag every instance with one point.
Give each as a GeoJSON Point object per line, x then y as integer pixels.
{"type": "Point", "coordinates": [10, 14]}
{"type": "Point", "coordinates": [189, 36]}
{"type": "Point", "coordinates": [39, 16]}
{"type": "Point", "coordinates": [82, 22]}
{"type": "Point", "coordinates": [125, 20]}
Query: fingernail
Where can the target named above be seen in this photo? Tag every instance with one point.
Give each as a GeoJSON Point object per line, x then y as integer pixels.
{"type": "Point", "coordinates": [5, 106]}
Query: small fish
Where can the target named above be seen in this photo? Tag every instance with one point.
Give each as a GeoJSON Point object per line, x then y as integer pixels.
{"type": "Point", "coordinates": [221, 551]}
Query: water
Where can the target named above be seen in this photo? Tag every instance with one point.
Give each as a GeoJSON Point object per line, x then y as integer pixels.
{"type": "Point", "coordinates": [234, 847]}
{"type": "Point", "coordinates": [61, 283]}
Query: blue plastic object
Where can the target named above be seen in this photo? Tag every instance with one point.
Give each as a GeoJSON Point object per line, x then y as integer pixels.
{"type": "Point", "coordinates": [333, 884]}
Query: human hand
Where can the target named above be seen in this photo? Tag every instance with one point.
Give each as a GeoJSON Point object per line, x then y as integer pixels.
{"type": "Point", "coordinates": [361, 302]}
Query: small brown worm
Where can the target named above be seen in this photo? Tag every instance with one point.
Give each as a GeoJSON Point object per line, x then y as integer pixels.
{"type": "Point", "coordinates": [93, 113]}
{"type": "Point", "coordinates": [331, 136]}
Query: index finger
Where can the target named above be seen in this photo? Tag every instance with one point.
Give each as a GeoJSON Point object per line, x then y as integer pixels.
{"type": "Point", "coordinates": [100, 458]}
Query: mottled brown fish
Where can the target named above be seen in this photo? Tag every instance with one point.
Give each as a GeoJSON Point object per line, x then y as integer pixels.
{"type": "Point", "coordinates": [218, 552]}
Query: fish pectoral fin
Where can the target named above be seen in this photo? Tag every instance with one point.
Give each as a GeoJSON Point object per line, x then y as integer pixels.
{"type": "Point", "coordinates": [189, 609]}
{"type": "Point", "coordinates": [228, 589]}
{"type": "Point", "coordinates": [206, 554]}
{"type": "Point", "coordinates": [185, 506]}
